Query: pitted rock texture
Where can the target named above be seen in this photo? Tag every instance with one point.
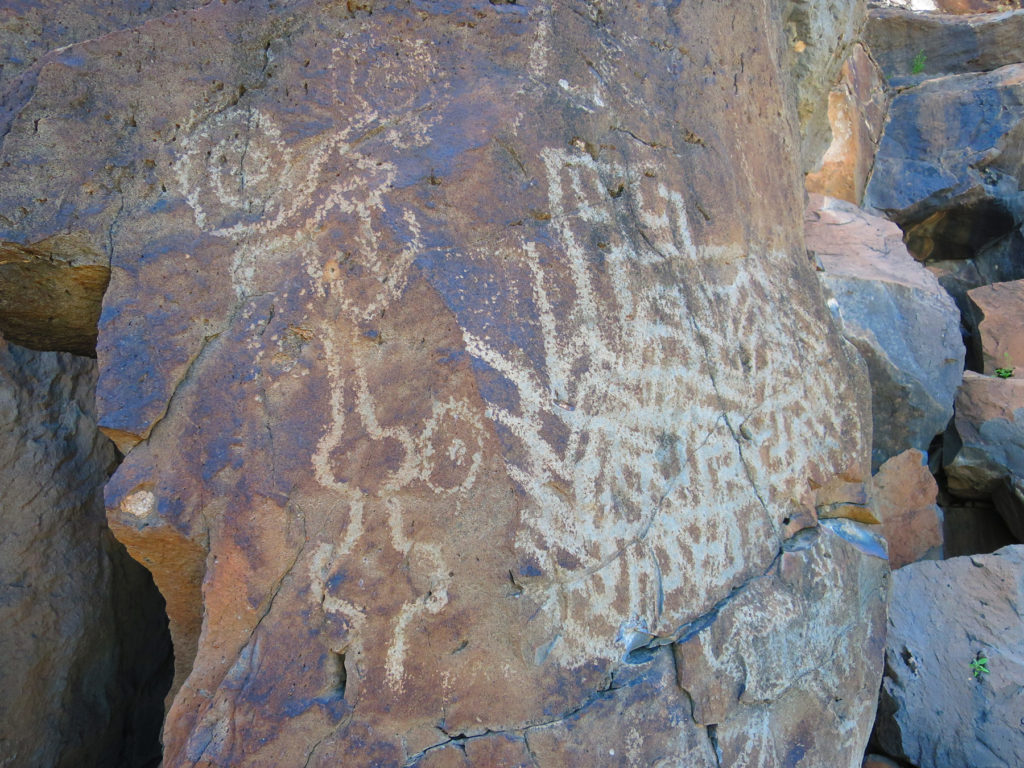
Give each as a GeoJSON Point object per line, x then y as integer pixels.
{"type": "Point", "coordinates": [437, 340]}
{"type": "Point", "coordinates": [895, 312]}
{"type": "Point", "coordinates": [81, 657]}
{"type": "Point", "coordinates": [933, 712]}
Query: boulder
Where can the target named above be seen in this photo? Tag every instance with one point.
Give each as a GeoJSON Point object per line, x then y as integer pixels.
{"type": "Point", "coordinates": [819, 38]}
{"type": "Point", "coordinates": [1000, 262]}
{"type": "Point", "coordinates": [999, 312]}
{"type": "Point", "coordinates": [934, 712]}
{"type": "Point", "coordinates": [897, 315]}
{"type": "Point", "coordinates": [911, 47]}
{"type": "Point", "coordinates": [856, 114]}
{"type": "Point", "coordinates": [985, 454]}
{"type": "Point", "coordinates": [948, 169]}
{"type": "Point", "coordinates": [904, 501]}
{"type": "Point", "coordinates": [976, 6]}
{"type": "Point", "coordinates": [448, 380]}
{"type": "Point", "coordinates": [85, 651]}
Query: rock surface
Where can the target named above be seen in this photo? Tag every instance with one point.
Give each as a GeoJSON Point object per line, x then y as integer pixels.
{"type": "Point", "coordinates": [904, 501]}
{"type": "Point", "coordinates": [976, 6]}
{"type": "Point", "coordinates": [999, 309]}
{"type": "Point", "coordinates": [972, 527]}
{"type": "Point", "coordinates": [79, 666]}
{"type": "Point", "coordinates": [50, 296]}
{"type": "Point", "coordinates": [986, 453]}
{"type": "Point", "coordinates": [440, 357]}
{"type": "Point", "coordinates": [911, 47]}
{"type": "Point", "coordinates": [857, 107]}
{"type": "Point", "coordinates": [820, 35]}
{"type": "Point", "coordinates": [933, 712]}
{"type": "Point", "coordinates": [897, 315]}
{"type": "Point", "coordinates": [948, 169]}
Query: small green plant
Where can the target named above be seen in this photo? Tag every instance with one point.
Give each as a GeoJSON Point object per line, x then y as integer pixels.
{"type": "Point", "coordinates": [917, 65]}
{"type": "Point", "coordinates": [979, 666]}
{"type": "Point", "coordinates": [1007, 370]}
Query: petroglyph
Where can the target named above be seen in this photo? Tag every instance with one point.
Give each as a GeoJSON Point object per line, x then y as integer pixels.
{"type": "Point", "coordinates": [617, 529]}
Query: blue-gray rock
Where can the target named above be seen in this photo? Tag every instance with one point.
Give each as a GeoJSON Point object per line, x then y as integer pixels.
{"type": "Point", "coordinates": [912, 47]}
{"type": "Point", "coordinates": [901, 320]}
{"type": "Point", "coordinates": [985, 452]}
{"type": "Point", "coordinates": [947, 170]}
{"type": "Point", "coordinates": [79, 682]}
{"type": "Point", "coordinates": [934, 711]}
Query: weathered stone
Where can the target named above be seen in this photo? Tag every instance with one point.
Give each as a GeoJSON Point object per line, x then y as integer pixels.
{"type": "Point", "coordinates": [897, 315]}
{"type": "Point", "coordinates": [933, 711]}
{"type": "Point", "coordinates": [29, 29]}
{"type": "Point", "coordinates": [856, 115]}
{"type": "Point", "coordinates": [949, 169]}
{"type": "Point", "coordinates": [904, 493]}
{"type": "Point", "coordinates": [976, 6]}
{"type": "Point", "coordinates": [911, 47]}
{"type": "Point", "coordinates": [725, 668]}
{"type": "Point", "coordinates": [1000, 262]}
{"type": "Point", "coordinates": [985, 454]}
{"type": "Point", "coordinates": [78, 660]}
{"type": "Point", "coordinates": [50, 296]}
{"type": "Point", "coordinates": [999, 310]}
{"type": "Point", "coordinates": [972, 527]}
{"type": "Point", "coordinates": [442, 362]}
{"type": "Point", "coordinates": [819, 39]}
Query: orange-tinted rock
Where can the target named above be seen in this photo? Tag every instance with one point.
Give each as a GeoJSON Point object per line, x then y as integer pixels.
{"type": "Point", "coordinates": [440, 354]}
{"type": "Point", "coordinates": [856, 115]}
{"type": "Point", "coordinates": [1000, 312]}
{"type": "Point", "coordinates": [819, 38]}
{"type": "Point", "coordinates": [985, 456]}
{"type": "Point", "coordinates": [904, 498]}
{"type": "Point", "coordinates": [50, 296]}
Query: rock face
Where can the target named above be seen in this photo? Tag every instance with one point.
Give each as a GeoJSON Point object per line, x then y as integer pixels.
{"type": "Point", "coordinates": [949, 170]}
{"type": "Point", "coordinates": [856, 114]}
{"type": "Point", "coordinates": [985, 458]}
{"type": "Point", "coordinates": [51, 300]}
{"type": "Point", "coordinates": [820, 36]}
{"type": "Point", "coordinates": [897, 315]}
{"type": "Point", "coordinates": [904, 501]}
{"type": "Point", "coordinates": [934, 713]}
{"type": "Point", "coordinates": [76, 685]}
{"type": "Point", "coordinates": [999, 309]}
{"type": "Point", "coordinates": [455, 421]}
{"type": "Point", "coordinates": [911, 47]}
